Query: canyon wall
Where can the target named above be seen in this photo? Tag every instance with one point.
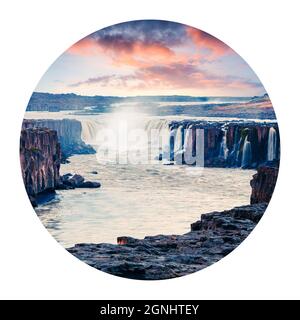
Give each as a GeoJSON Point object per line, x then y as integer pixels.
{"type": "Point", "coordinates": [40, 156]}
{"type": "Point", "coordinates": [68, 133]}
{"type": "Point", "coordinates": [228, 144]}
{"type": "Point", "coordinates": [263, 184]}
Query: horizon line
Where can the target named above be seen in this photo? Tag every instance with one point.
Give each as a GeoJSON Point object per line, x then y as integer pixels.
{"type": "Point", "coordinates": [159, 95]}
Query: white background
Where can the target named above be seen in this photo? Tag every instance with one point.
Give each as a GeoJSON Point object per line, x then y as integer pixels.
{"type": "Point", "coordinates": [265, 33]}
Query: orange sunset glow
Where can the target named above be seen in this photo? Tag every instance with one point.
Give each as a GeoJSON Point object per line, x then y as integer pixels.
{"type": "Point", "coordinates": [151, 57]}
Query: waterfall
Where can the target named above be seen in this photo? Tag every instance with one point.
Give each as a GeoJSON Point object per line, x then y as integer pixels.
{"type": "Point", "coordinates": [224, 149]}
{"type": "Point", "coordinates": [159, 134]}
{"type": "Point", "coordinates": [178, 146]}
{"type": "Point", "coordinates": [158, 124]}
{"type": "Point", "coordinates": [234, 154]}
{"type": "Point", "coordinates": [238, 150]}
{"type": "Point", "coordinates": [188, 145]}
{"type": "Point", "coordinates": [272, 144]}
{"type": "Point", "coordinates": [247, 153]}
{"type": "Point", "coordinates": [90, 130]}
{"type": "Point", "coordinates": [178, 140]}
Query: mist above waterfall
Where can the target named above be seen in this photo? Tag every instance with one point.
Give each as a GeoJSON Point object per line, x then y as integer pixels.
{"type": "Point", "coordinates": [132, 131]}
{"type": "Point", "coordinates": [154, 125]}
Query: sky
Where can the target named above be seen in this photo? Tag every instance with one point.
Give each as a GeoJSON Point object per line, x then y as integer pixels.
{"type": "Point", "coordinates": [150, 57]}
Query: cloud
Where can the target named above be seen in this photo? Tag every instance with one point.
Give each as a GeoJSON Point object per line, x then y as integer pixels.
{"type": "Point", "coordinates": [105, 81]}
{"type": "Point", "coordinates": [205, 41]}
{"type": "Point", "coordinates": [136, 43]}
{"type": "Point", "coordinates": [173, 76]}
{"type": "Point", "coordinates": [164, 33]}
{"type": "Point", "coordinates": [159, 55]}
{"type": "Point", "coordinates": [85, 47]}
{"type": "Point", "coordinates": [146, 42]}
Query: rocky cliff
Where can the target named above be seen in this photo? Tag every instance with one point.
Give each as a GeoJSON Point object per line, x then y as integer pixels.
{"type": "Point", "coordinates": [211, 238]}
{"type": "Point", "coordinates": [169, 256]}
{"type": "Point", "coordinates": [40, 156]}
{"type": "Point", "coordinates": [263, 184]}
{"type": "Point", "coordinates": [68, 132]}
{"type": "Point", "coordinates": [229, 144]}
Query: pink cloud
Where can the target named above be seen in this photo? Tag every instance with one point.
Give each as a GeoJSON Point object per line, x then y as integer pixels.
{"type": "Point", "coordinates": [140, 53]}
{"type": "Point", "coordinates": [205, 41]}
{"type": "Point", "coordinates": [172, 76]}
{"type": "Point", "coordinates": [155, 58]}
{"type": "Point", "coordinates": [85, 47]}
{"type": "Point", "coordinates": [137, 53]}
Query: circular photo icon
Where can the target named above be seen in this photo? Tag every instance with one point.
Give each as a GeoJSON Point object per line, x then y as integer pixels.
{"type": "Point", "coordinates": [149, 150]}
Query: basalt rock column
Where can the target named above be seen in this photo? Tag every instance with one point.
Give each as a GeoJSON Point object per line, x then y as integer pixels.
{"type": "Point", "coordinates": [40, 157]}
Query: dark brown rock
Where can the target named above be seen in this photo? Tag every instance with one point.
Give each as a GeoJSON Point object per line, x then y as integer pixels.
{"type": "Point", "coordinates": [68, 133]}
{"type": "Point", "coordinates": [89, 184]}
{"type": "Point", "coordinates": [263, 184]}
{"type": "Point", "coordinates": [75, 181]}
{"type": "Point", "coordinates": [68, 181]}
{"type": "Point", "coordinates": [170, 256]}
{"type": "Point", "coordinates": [235, 132]}
{"type": "Point", "coordinates": [40, 156]}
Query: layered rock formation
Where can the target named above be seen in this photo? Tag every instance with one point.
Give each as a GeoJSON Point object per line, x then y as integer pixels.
{"type": "Point", "coordinates": [169, 256]}
{"type": "Point", "coordinates": [211, 238]}
{"type": "Point", "coordinates": [40, 156]}
{"type": "Point", "coordinates": [263, 184]}
{"type": "Point", "coordinates": [68, 132]}
{"type": "Point", "coordinates": [228, 144]}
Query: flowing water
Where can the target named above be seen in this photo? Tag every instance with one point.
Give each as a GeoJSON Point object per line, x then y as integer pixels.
{"type": "Point", "coordinates": [247, 153]}
{"type": "Point", "coordinates": [272, 144]}
{"type": "Point", "coordinates": [140, 200]}
{"type": "Point", "coordinates": [224, 149]}
{"type": "Point", "coordinates": [137, 199]}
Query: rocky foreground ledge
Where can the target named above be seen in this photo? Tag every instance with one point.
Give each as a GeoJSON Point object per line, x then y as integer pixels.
{"type": "Point", "coordinates": [170, 256]}
{"type": "Point", "coordinates": [211, 238]}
